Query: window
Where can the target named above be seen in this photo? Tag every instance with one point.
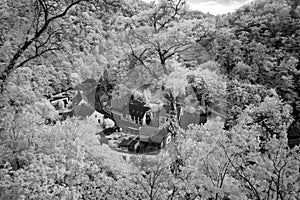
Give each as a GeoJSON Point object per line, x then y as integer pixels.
{"type": "Point", "coordinates": [148, 119]}
{"type": "Point", "coordinates": [95, 116]}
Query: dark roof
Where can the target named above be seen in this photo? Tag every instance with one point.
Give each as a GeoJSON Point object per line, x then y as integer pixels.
{"type": "Point", "coordinates": [125, 143]}
{"type": "Point", "coordinates": [133, 142]}
{"type": "Point", "coordinates": [148, 131]}
{"type": "Point", "coordinates": [83, 110]}
{"type": "Point", "coordinates": [106, 132]}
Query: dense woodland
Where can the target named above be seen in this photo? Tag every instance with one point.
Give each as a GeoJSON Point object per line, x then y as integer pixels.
{"type": "Point", "coordinates": [246, 62]}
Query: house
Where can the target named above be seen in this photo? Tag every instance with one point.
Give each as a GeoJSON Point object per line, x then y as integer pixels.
{"type": "Point", "coordinates": [154, 137]}
{"type": "Point", "coordinates": [130, 144]}
{"type": "Point", "coordinates": [66, 114]}
{"type": "Point", "coordinates": [131, 114]}
{"type": "Point", "coordinates": [96, 117]}
{"type": "Point", "coordinates": [120, 108]}
{"type": "Point", "coordinates": [161, 138]}
{"type": "Point", "coordinates": [83, 111]}
{"type": "Point", "coordinates": [87, 89]}
{"type": "Point", "coordinates": [79, 99]}
{"type": "Point", "coordinates": [86, 85]}
{"type": "Point", "coordinates": [121, 114]}
{"type": "Point", "coordinates": [163, 115]}
{"type": "Point", "coordinates": [134, 146]}
{"type": "Point", "coordinates": [146, 132]}
{"type": "Point", "coordinates": [60, 102]}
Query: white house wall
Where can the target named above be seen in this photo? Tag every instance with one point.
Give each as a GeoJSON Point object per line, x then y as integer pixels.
{"type": "Point", "coordinates": [95, 117]}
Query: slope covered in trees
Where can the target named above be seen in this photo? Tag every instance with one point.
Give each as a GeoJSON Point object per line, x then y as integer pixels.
{"type": "Point", "coordinates": [244, 64]}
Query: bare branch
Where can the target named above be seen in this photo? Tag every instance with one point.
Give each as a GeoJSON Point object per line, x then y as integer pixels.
{"type": "Point", "coordinates": [36, 55]}
{"type": "Point", "coordinates": [229, 158]}
{"type": "Point", "coordinates": [12, 65]}
{"type": "Point", "coordinates": [45, 9]}
{"type": "Point", "coordinates": [172, 17]}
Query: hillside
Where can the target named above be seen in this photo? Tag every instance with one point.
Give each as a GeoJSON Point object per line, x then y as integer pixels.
{"type": "Point", "coordinates": [243, 66]}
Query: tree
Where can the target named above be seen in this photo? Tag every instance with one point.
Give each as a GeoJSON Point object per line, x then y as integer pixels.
{"type": "Point", "coordinates": [268, 169]}
{"type": "Point", "coordinates": [59, 162]}
{"type": "Point", "coordinates": [32, 29]}
{"type": "Point", "coordinates": [262, 48]}
{"type": "Point", "coordinates": [156, 35]}
{"type": "Point", "coordinates": [41, 35]}
{"type": "Point", "coordinates": [207, 170]}
{"type": "Point", "coordinates": [231, 164]}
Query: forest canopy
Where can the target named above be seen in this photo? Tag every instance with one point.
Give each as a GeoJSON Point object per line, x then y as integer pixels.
{"type": "Point", "coordinates": [244, 66]}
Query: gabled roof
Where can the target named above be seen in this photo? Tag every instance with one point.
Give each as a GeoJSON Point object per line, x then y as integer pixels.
{"type": "Point", "coordinates": [83, 110]}
{"type": "Point", "coordinates": [86, 85]}
{"type": "Point", "coordinates": [77, 99]}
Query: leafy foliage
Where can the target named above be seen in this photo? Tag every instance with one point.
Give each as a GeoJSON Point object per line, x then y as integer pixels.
{"type": "Point", "coordinates": [244, 66]}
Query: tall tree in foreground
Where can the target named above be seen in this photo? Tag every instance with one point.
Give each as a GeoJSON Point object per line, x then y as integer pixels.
{"type": "Point", "coordinates": [31, 29]}
{"type": "Point", "coordinates": [35, 25]}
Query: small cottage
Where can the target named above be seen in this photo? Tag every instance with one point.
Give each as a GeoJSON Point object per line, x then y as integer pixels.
{"type": "Point", "coordinates": [83, 111]}
{"type": "Point", "coordinates": [130, 144]}
{"type": "Point", "coordinates": [96, 117]}
{"type": "Point", "coordinates": [86, 85]}
{"type": "Point", "coordinates": [79, 99]}
{"type": "Point", "coordinates": [60, 102]}
{"type": "Point", "coordinates": [154, 137]}
{"type": "Point", "coordinates": [87, 112]}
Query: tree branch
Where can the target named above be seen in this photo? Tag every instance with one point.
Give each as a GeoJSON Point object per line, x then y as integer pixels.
{"type": "Point", "coordinates": [23, 47]}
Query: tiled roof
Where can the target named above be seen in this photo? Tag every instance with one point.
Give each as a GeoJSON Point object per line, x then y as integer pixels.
{"type": "Point", "coordinates": [83, 110]}
{"type": "Point", "coordinates": [76, 100]}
